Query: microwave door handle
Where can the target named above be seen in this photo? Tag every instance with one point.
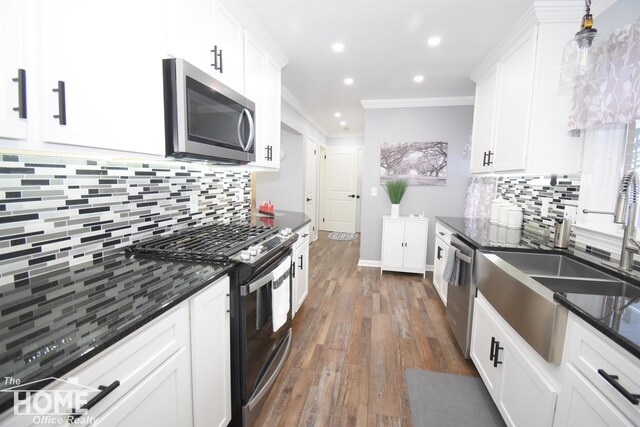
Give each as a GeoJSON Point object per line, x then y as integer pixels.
{"type": "Point", "coordinates": [240, 140]}
{"type": "Point", "coordinates": [251, 129]}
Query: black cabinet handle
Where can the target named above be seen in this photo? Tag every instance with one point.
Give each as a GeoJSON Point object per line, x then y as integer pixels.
{"type": "Point", "coordinates": [62, 104]}
{"type": "Point", "coordinates": [495, 350]}
{"type": "Point", "coordinates": [22, 93]}
{"type": "Point", "coordinates": [490, 158]}
{"type": "Point", "coordinates": [439, 255]}
{"type": "Point", "coordinates": [301, 260]}
{"type": "Point", "coordinates": [441, 233]}
{"type": "Point", "coordinates": [357, 196]}
{"type": "Point", "coordinates": [104, 392]}
{"type": "Point", "coordinates": [304, 235]}
{"type": "Point", "coordinates": [293, 269]}
{"type": "Point", "coordinates": [217, 58]}
{"type": "Point", "coordinates": [613, 380]}
{"type": "Point", "coordinates": [493, 343]}
{"type": "Point", "coordinates": [484, 159]}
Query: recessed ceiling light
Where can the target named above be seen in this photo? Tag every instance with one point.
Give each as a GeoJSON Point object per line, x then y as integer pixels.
{"type": "Point", "coordinates": [434, 41]}
{"type": "Point", "coordinates": [337, 47]}
{"type": "Point", "coordinates": [336, 114]}
{"type": "Point", "coordinates": [348, 81]}
{"type": "Point", "coordinates": [418, 78]}
{"type": "Point", "coordinates": [343, 123]}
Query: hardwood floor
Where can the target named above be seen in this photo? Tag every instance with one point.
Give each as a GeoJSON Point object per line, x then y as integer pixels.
{"type": "Point", "coordinates": [354, 336]}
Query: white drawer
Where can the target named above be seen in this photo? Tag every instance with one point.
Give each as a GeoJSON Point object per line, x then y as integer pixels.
{"type": "Point", "coordinates": [303, 236]}
{"type": "Point", "coordinates": [590, 351]}
{"type": "Point", "coordinates": [443, 232]}
{"type": "Point", "coordinates": [128, 361]}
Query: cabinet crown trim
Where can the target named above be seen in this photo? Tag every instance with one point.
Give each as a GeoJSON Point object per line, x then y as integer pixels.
{"type": "Point", "coordinates": [370, 104]}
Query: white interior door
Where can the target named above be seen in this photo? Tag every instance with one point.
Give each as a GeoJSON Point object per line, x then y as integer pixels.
{"type": "Point", "coordinates": [310, 201]}
{"type": "Point", "coordinates": [341, 189]}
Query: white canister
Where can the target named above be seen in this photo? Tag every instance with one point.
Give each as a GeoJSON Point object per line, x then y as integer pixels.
{"type": "Point", "coordinates": [514, 217]}
{"type": "Point", "coordinates": [504, 214]}
{"type": "Point", "coordinates": [495, 210]}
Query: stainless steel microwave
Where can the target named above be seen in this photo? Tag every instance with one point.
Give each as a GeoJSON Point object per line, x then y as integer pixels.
{"type": "Point", "coordinates": [204, 119]}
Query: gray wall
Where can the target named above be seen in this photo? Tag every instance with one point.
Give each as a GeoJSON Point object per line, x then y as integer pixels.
{"type": "Point", "coordinates": [350, 141]}
{"type": "Point", "coordinates": [450, 124]}
{"type": "Point", "coordinates": [285, 188]}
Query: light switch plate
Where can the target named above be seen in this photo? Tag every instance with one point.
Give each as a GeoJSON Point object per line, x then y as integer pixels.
{"type": "Point", "coordinates": [374, 191]}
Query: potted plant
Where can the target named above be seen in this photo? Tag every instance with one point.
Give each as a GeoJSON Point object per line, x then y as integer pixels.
{"type": "Point", "coordinates": [396, 189]}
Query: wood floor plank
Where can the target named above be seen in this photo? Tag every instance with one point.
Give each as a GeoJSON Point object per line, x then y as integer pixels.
{"type": "Point", "coordinates": [353, 338]}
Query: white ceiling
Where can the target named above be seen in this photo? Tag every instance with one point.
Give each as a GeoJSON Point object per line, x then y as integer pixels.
{"type": "Point", "coordinates": [385, 46]}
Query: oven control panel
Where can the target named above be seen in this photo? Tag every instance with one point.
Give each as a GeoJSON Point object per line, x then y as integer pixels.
{"type": "Point", "coordinates": [252, 254]}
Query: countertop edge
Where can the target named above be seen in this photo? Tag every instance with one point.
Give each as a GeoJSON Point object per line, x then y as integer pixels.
{"type": "Point", "coordinates": [609, 333]}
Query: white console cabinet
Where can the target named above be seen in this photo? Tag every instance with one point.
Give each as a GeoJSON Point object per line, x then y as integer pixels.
{"type": "Point", "coordinates": [441, 248]}
{"type": "Point", "coordinates": [300, 281]}
{"type": "Point", "coordinates": [404, 244]}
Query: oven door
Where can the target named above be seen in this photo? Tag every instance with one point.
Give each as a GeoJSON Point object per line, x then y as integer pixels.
{"type": "Point", "coordinates": [262, 350]}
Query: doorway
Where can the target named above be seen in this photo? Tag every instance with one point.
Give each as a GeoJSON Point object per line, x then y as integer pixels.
{"type": "Point", "coordinates": [311, 187]}
{"type": "Point", "coordinates": [340, 188]}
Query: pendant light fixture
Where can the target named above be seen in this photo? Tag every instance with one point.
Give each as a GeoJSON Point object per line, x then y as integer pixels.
{"type": "Point", "coordinates": [582, 61]}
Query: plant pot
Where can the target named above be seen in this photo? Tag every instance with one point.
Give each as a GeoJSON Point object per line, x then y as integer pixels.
{"type": "Point", "coordinates": [395, 210]}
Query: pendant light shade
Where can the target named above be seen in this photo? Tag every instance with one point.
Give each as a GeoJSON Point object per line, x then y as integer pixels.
{"type": "Point", "coordinates": [582, 61]}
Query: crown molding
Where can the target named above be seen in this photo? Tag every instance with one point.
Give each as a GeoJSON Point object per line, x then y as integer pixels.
{"type": "Point", "coordinates": [371, 104]}
{"type": "Point", "coordinates": [345, 135]}
{"type": "Point", "coordinates": [290, 99]}
{"type": "Point", "coordinates": [549, 11]}
{"type": "Point", "coordinates": [249, 20]}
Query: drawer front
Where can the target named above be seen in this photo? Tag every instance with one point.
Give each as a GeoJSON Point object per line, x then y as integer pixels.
{"type": "Point", "coordinates": [594, 356]}
{"type": "Point", "coordinates": [129, 361]}
{"type": "Point", "coordinates": [303, 236]}
{"type": "Point", "coordinates": [443, 232]}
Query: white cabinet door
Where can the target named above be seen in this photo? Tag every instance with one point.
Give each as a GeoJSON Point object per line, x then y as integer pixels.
{"type": "Point", "coordinates": [300, 281]}
{"type": "Point", "coordinates": [111, 70]}
{"type": "Point", "coordinates": [484, 332]}
{"type": "Point", "coordinates": [526, 398]}
{"type": "Point", "coordinates": [188, 32]}
{"type": "Point", "coordinates": [415, 247]}
{"type": "Point", "coordinates": [484, 114]}
{"type": "Point", "coordinates": [274, 111]}
{"type": "Point", "coordinates": [228, 39]}
{"type": "Point", "coordinates": [162, 399]}
{"type": "Point", "coordinates": [210, 355]}
{"type": "Point", "coordinates": [255, 59]}
{"type": "Point", "coordinates": [392, 243]}
{"type": "Point", "coordinates": [581, 405]}
{"type": "Point", "coordinates": [514, 106]}
{"type": "Point", "coordinates": [12, 91]}
{"type": "Point", "coordinates": [439, 262]}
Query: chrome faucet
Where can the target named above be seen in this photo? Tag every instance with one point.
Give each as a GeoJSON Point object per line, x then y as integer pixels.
{"type": "Point", "coordinates": [626, 213]}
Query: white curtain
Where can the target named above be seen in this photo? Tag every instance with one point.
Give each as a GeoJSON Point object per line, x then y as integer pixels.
{"type": "Point", "coordinates": [615, 96]}
{"type": "Point", "coordinates": [480, 193]}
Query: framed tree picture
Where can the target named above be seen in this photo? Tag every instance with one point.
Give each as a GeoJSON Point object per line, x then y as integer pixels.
{"type": "Point", "coordinates": [420, 163]}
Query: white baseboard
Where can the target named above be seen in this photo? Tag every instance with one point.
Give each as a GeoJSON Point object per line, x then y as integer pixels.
{"type": "Point", "coordinates": [429, 267]}
{"type": "Point", "coordinates": [369, 263]}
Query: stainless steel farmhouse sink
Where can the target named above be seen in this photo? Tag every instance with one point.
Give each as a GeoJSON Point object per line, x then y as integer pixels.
{"type": "Point", "coordinates": [520, 286]}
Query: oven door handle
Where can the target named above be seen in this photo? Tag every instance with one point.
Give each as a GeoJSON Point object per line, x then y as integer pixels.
{"type": "Point", "coordinates": [256, 284]}
{"type": "Point", "coordinates": [462, 257]}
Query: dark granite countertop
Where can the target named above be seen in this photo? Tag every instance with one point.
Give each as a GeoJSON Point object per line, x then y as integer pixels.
{"type": "Point", "coordinates": [283, 219]}
{"type": "Point", "coordinates": [614, 312]}
{"type": "Point", "coordinates": [52, 323]}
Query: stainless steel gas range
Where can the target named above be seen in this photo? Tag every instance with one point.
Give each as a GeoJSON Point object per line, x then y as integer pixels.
{"type": "Point", "coordinates": [260, 300]}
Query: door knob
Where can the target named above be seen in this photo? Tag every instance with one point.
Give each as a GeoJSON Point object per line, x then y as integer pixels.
{"type": "Point", "coordinates": [352, 196]}
{"type": "Point", "coordinates": [308, 199]}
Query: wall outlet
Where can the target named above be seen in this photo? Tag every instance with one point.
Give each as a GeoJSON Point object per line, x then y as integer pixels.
{"type": "Point", "coordinates": [374, 191]}
{"type": "Point", "coordinates": [544, 209]}
{"type": "Point", "coordinates": [193, 204]}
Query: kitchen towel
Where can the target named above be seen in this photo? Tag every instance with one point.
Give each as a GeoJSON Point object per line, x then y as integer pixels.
{"type": "Point", "coordinates": [452, 267]}
{"type": "Point", "coordinates": [280, 294]}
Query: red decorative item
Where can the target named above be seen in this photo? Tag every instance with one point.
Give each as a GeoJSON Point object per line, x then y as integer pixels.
{"type": "Point", "coordinates": [267, 209]}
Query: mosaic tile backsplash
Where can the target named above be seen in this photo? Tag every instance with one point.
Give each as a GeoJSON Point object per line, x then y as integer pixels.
{"type": "Point", "coordinates": [531, 192]}
{"type": "Point", "coordinates": [56, 211]}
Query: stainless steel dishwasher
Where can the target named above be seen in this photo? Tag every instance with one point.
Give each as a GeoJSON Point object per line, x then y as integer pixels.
{"type": "Point", "coordinates": [460, 295]}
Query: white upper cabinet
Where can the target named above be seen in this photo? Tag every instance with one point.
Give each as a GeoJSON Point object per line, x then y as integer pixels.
{"type": "Point", "coordinates": [14, 76]}
{"type": "Point", "coordinates": [520, 119]}
{"type": "Point", "coordinates": [189, 33]}
{"type": "Point", "coordinates": [100, 75]}
{"type": "Point", "coordinates": [227, 47]}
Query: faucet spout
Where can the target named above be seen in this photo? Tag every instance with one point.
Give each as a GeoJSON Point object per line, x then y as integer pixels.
{"type": "Point", "coordinates": [626, 213]}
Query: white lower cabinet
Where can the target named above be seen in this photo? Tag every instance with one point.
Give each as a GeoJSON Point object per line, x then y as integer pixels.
{"type": "Point", "coordinates": [404, 244]}
{"type": "Point", "coordinates": [211, 358]}
{"type": "Point", "coordinates": [300, 281]}
{"type": "Point", "coordinates": [588, 398]}
{"type": "Point", "coordinates": [524, 394]}
{"type": "Point", "coordinates": [440, 256]}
